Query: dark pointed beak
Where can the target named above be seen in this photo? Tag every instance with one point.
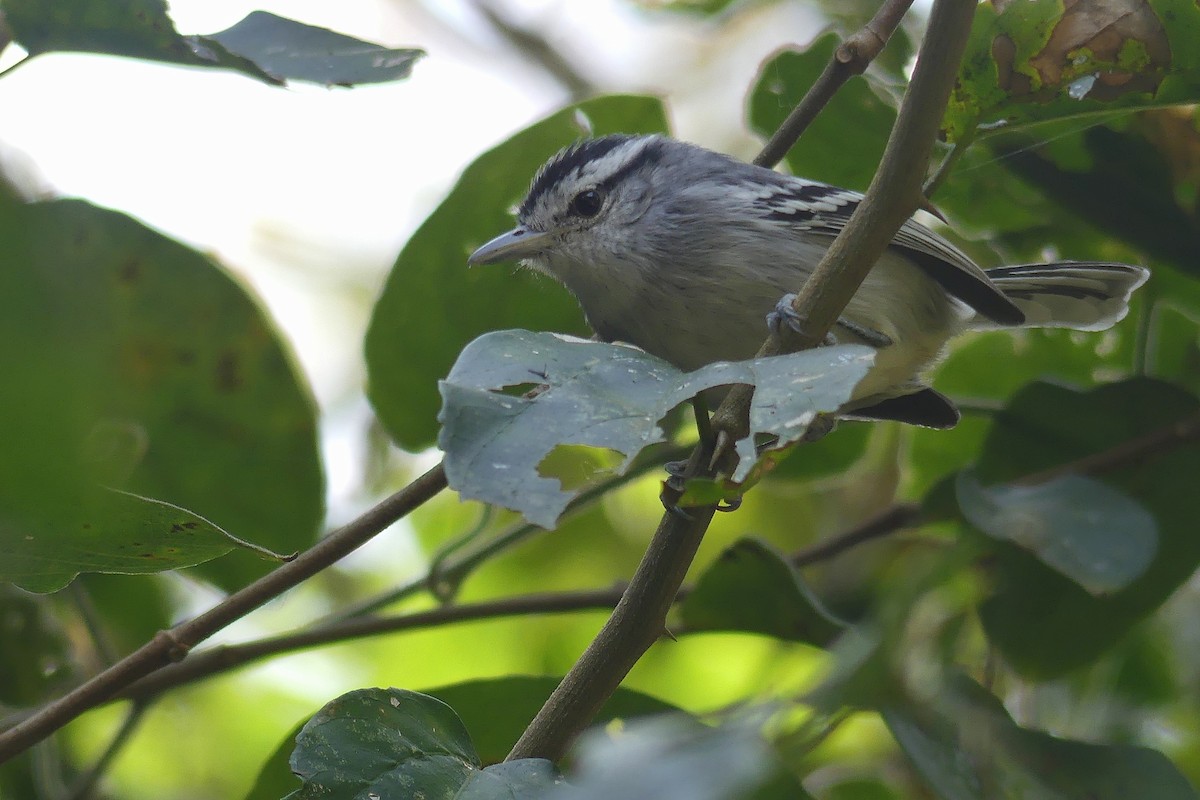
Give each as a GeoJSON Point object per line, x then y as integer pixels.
{"type": "Point", "coordinates": [512, 246]}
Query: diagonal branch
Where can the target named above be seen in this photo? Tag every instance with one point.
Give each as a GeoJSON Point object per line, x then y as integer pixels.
{"type": "Point", "coordinates": [893, 196]}
{"type": "Point", "coordinates": [850, 58]}
{"type": "Point", "coordinates": [227, 657]}
{"type": "Point", "coordinates": [899, 516]}
{"type": "Point", "coordinates": [173, 645]}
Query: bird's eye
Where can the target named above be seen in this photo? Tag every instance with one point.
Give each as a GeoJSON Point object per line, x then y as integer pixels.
{"type": "Point", "coordinates": [587, 203]}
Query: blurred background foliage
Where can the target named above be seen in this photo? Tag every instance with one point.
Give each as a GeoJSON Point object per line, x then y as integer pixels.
{"type": "Point", "coordinates": [239, 395]}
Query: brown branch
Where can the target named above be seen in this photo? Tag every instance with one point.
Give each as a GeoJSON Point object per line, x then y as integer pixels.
{"type": "Point", "coordinates": [899, 516]}
{"type": "Point", "coordinates": [227, 657]}
{"type": "Point", "coordinates": [454, 570]}
{"type": "Point", "coordinates": [893, 196]}
{"type": "Point", "coordinates": [173, 645]}
{"type": "Point", "coordinates": [636, 623]}
{"type": "Point", "coordinates": [891, 519]}
{"type": "Point", "coordinates": [534, 47]}
{"type": "Point", "coordinates": [1124, 454]}
{"type": "Point", "coordinates": [850, 58]}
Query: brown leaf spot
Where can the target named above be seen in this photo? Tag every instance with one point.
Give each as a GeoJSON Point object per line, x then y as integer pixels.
{"type": "Point", "coordinates": [129, 271]}
{"type": "Point", "coordinates": [1004, 52]}
{"type": "Point", "coordinates": [1093, 37]}
{"type": "Point", "coordinates": [228, 374]}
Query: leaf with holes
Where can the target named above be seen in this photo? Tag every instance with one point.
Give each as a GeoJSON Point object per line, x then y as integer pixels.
{"type": "Point", "coordinates": [1040, 60]}
{"type": "Point", "coordinates": [604, 395]}
{"type": "Point", "coordinates": [432, 305]}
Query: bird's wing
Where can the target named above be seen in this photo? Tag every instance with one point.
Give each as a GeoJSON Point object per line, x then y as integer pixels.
{"type": "Point", "coordinates": [824, 210]}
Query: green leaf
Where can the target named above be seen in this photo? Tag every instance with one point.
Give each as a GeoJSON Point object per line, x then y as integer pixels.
{"type": "Point", "coordinates": [275, 777]}
{"type": "Point", "coordinates": [1044, 623]}
{"type": "Point", "coordinates": [263, 46]}
{"type": "Point", "coordinates": [397, 743]}
{"type": "Point", "coordinates": [1093, 534]}
{"type": "Point", "coordinates": [860, 789]}
{"type": "Point", "coordinates": [968, 748]}
{"type": "Point", "coordinates": [674, 758]}
{"type": "Point", "coordinates": [855, 123]}
{"type": "Point", "coordinates": [830, 455]}
{"type": "Point", "coordinates": [861, 675]}
{"type": "Point", "coordinates": [1118, 181]}
{"type": "Point", "coordinates": [1175, 345]}
{"type": "Point", "coordinates": [432, 305]}
{"type": "Point", "coordinates": [111, 531]}
{"type": "Point", "coordinates": [289, 49]}
{"type": "Point", "coordinates": [134, 362]}
{"type": "Point", "coordinates": [35, 653]}
{"type": "Point", "coordinates": [496, 711]}
{"type": "Point", "coordinates": [751, 587]}
{"type": "Point", "coordinates": [604, 395]}
{"type": "Point", "coordinates": [133, 608]}
{"type": "Point", "coordinates": [1042, 59]}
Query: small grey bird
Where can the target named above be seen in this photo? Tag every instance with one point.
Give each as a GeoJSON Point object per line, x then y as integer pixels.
{"type": "Point", "coordinates": [684, 252]}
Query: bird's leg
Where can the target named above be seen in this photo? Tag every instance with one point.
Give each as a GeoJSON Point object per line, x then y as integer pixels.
{"type": "Point", "coordinates": [784, 314]}
{"type": "Point", "coordinates": [677, 471]}
{"type": "Point", "coordinates": [868, 336]}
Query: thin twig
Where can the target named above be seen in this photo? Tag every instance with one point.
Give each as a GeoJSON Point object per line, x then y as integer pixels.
{"type": "Point", "coordinates": [101, 641]}
{"type": "Point", "coordinates": [957, 151]}
{"type": "Point", "coordinates": [456, 570]}
{"type": "Point", "coordinates": [636, 623]}
{"type": "Point", "coordinates": [893, 196]}
{"type": "Point", "coordinates": [82, 788]}
{"type": "Point", "coordinates": [1129, 452]}
{"type": "Point", "coordinates": [173, 645]}
{"type": "Point", "coordinates": [850, 58]}
{"type": "Point", "coordinates": [534, 47]}
{"type": "Point", "coordinates": [891, 519]}
{"type": "Point", "coordinates": [227, 657]}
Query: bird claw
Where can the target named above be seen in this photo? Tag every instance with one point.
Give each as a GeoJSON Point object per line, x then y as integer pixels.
{"type": "Point", "coordinates": [821, 426]}
{"type": "Point", "coordinates": [785, 314]}
{"type": "Point", "coordinates": [676, 485]}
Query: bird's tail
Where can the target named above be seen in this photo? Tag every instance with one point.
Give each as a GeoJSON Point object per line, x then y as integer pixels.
{"type": "Point", "coordinates": [1084, 295]}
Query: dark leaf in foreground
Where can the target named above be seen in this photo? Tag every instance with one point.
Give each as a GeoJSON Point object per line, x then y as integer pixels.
{"type": "Point", "coordinates": [396, 743]}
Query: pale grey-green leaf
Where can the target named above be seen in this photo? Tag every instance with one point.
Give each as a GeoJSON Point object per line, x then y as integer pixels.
{"type": "Point", "coordinates": [1094, 534]}
{"type": "Point", "coordinates": [603, 395]}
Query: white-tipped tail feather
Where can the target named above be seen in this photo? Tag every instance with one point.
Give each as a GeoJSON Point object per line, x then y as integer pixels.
{"type": "Point", "coordinates": [1082, 295]}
